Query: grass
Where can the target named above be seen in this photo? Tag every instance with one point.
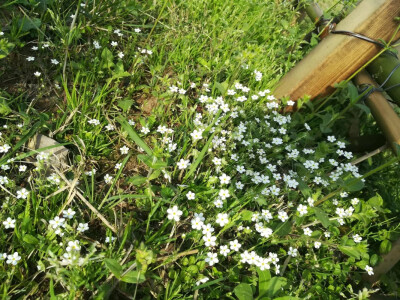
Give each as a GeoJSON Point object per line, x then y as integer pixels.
{"type": "Point", "coordinates": [112, 86]}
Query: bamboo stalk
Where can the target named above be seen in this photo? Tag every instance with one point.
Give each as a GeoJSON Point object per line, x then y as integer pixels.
{"type": "Point", "coordinates": [381, 68]}
{"type": "Point", "coordinates": [338, 56]}
{"type": "Point", "coordinates": [386, 118]}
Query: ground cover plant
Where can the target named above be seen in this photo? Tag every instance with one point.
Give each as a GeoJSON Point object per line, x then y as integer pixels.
{"type": "Point", "coordinates": [185, 178]}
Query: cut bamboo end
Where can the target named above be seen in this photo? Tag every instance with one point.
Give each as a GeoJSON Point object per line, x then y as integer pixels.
{"type": "Point", "coordinates": [337, 57]}
{"type": "Point", "coordinates": [386, 118]}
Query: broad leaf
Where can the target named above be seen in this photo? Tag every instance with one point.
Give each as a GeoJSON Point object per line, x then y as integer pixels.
{"type": "Point", "coordinates": [322, 216]}
{"type": "Point", "coordinates": [244, 292]}
{"type": "Point", "coordinates": [114, 267]}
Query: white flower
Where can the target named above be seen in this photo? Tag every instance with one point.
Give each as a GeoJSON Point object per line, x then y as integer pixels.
{"type": "Point", "coordinates": [110, 127]}
{"type": "Point", "coordinates": [124, 150]}
{"type": "Point", "coordinates": [118, 166]}
{"type": "Point", "coordinates": [145, 130]}
{"type": "Point", "coordinates": [54, 61]}
{"type": "Point", "coordinates": [57, 222]}
{"type": "Point", "coordinates": [354, 201]}
{"type": "Point", "coordinates": [317, 245]}
{"type": "Point", "coordinates": [197, 134]}
{"type": "Point", "coordinates": [137, 30]}
{"type": "Point", "coordinates": [357, 238]}
{"type": "Point", "coordinates": [4, 148]}
{"type": "Point", "coordinates": [190, 195]}
{"type": "Point", "coordinates": [82, 227]}
{"type": "Point", "coordinates": [235, 245]}
{"type": "Point", "coordinates": [207, 229]}
{"type": "Point", "coordinates": [30, 58]}
{"type": "Point", "coordinates": [209, 240]}
{"type": "Point", "coordinates": [327, 234]}
{"type": "Point", "coordinates": [217, 161]}
{"type": "Point", "coordinates": [292, 252]}
{"type": "Point", "coordinates": [302, 209]}
{"type": "Point", "coordinates": [9, 223]}
{"type": "Point", "coordinates": [197, 223]}
{"type": "Point", "coordinates": [174, 213]}
{"type": "Point", "coordinates": [108, 178]}
{"type": "Point", "coordinates": [37, 73]}
{"type": "Point", "coordinates": [224, 250]}
{"type": "Point", "coordinates": [73, 246]}
{"type": "Point", "coordinates": [224, 193]}
{"type": "Point", "coordinates": [225, 179]}
{"type": "Point", "coordinates": [211, 258]}
{"type": "Point", "coordinates": [94, 122]}
{"type": "Point", "coordinates": [3, 256]}
{"type": "Point", "coordinates": [290, 103]}
{"type": "Point", "coordinates": [369, 270]}
{"type": "Point", "coordinates": [283, 216]}
{"type": "Point", "coordinates": [13, 258]}
{"type": "Point", "coordinates": [183, 164]}
{"type": "Point", "coordinates": [331, 139]}
{"type": "Point", "coordinates": [114, 44]}
{"type": "Point", "coordinates": [68, 213]}
{"type": "Point", "coordinates": [307, 127]}
{"type": "Point", "coordinates": [121, 55]}
{"type": "Point", "coordinates": [203, 280]}
{"type": "Point", "coordinates": [222, 219]}
{"type": "Point", "coordinates": [22, 168]}
{"type": "Point", "coordinates": [307, 231]}
{"type": "Point", "coordinates": [22, 194]}
{"type": "Point", "coordinates": [110, 240]}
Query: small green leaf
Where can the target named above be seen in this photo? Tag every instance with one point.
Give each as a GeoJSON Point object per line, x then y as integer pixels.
{"type": "Point", "coordinates": [263, 278]}
{"type": "Point", "coordinates": [274, 285]}
{"type": "Point", "coordinates": [353, 185]}
{"type": "Point", "coordinates": [350, 251]}
{"type": "Point", "coordinates": [30, 239]}
{"type": "Point", "coordinates": [133, 277]}
{"type": "Point", "coordinates": [244, 292]}
{"type": "Point", "coordinates": [385, 247]}
{"type": "Point", "coordinates": [125, 104]}
{"type": "Point", "coordinates": [322, 216]}
{"type": "Point", "coordinates": [284, 228]}
{"type": "Point", "coordinates": [137, 180]}
{"type": "Point", "coordinates": [114, 267]}
{"type": "Point", "coordinates": [246, 215]}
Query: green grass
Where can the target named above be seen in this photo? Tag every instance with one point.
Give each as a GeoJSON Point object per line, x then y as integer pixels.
{"type": "Point", "coordinates": [217, 43]}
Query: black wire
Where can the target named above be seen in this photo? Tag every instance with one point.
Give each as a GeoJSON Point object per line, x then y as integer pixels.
{"type": "Point", "coordinates": [359, 36]}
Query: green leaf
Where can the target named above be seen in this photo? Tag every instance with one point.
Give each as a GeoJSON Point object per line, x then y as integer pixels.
{"type": "Point", "coordinates": [114, 267]}
{"type": "Point", "coordinates": [322, 216]}
{"type": "Point", "coordinates": [27, 24]}
{"type": "Point", "coordinates": [274, 285]}
{"type": "Point", "coordinates": [133, 277]}
{"type": "Point", "coordinates": [107, 59]}
{"type": "Point", "coordinates": [350, 251]}
{"type": "Point", "coordinates": [5, 48]}
{"type": "Point", "coordinates": [136, 180]}
{"type": "Point", "coordinates": [30, 239]}
{"type": "Point", "coordinates": [152, 161]}
{"type": "Point", "coordinates": [125, 104]}
{"type": "Point", "coordinates": [374, 259]}
{"type": "Point", "coordinates": [133, 135]}
{"type": "Point", "coordinates": [246, 215]}
{"type": "Point", "coordinates": [353, 185]}
{"type": "Point", "coordinates": [284, 228]}
{"type": "Point", "coordinates": [385, 247]}
{"type": "Point", "coordinates": [244, 292]}
{"type": "Point", "coordinates": [376, 201]}
{"type": "Point", "coordinates": [263, 278]}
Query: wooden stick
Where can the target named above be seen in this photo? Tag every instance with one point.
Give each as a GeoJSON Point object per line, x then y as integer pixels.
{"type": "Point", "coordinates": [385, 116]}
{"type": "Point", "coordinates": [337, 57]}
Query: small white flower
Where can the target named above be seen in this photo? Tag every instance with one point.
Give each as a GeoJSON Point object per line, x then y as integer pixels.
{"type": "Point", "coordinates": [357, 238]}
{"type": "Point", "coordinates": [57, 222]}
{"type": "Point", "coordinates": [82, 227]}
{"type": "Point", "coordinates": [124, 150]}
{"type": "Point", "coordinates": [211, 258]}
{"type": "Point", "coordinates": [197, 134]}
{"type": "Point", "coordinates": [13, 258]}
{"type": "Point", "coordinates": [222, 219]}
{"type": "Point", "coordinates": [292, 252]}
{"type": "Point", "coordinates": [223, 194]}
{"type": "Point", "coordinates": [224, 250]}
{"type": "Point", "coordinates": [302, 209]}
{"type": "Point", "coordinates": [54, 61]}
{"type": "Point", "coordinates": [110, 240]}
{"type": "Point", "coordinates": [317, 245]}
{"type": "Point", "coordinates": [209, 240]}
{"type": "Point", "coordinates": [137, 30]}
{"type": "Point", "coordinates": [9, 223]}
{"type": "Point", "coordinates": [225, 179]}
{"type": "Point", "coordinates": [183, 164]}
{"type": "Point", "coordinates": [4, 148]}
{"type": "Point", "coordinates": [235, 245]}
{"type": "Point", "coordinates": [110, 127]}
{"type": "Point", "coordinates": [331, 138]}
{"type": "Point", "coordinates": [22, 168]}
{"type": "Point", "coordinates": [108, 178]}
{"type": "Point", "coordinates": [121, 55]}
{"type": "Point", "coordinates": [145, 130]}
{"type": "Point", "coordinates": [174, 213]}
{"type": "Point", "coordinates": [369, 270]}
{"type": "Point", "coordinates": [190, 195]}
{"type": "Point", "coordinates": [69, 213]}
{"type": "Point", "coordinates": [73, 246]}
{"type": "Point", "coordinates": [22, 194]}
{"type": "Point", "coordinates": [114, 44]}
{"type": "Point", "coordinates": [37, 73]}
{"type": "Point", "coordinates": [307, 231]}
{"type": "Point", "coordinates": [30, 58]}
{"type": "Point", "coordinates": [94, 122]}
{"type": "Point", "coordinates": [118, 166]}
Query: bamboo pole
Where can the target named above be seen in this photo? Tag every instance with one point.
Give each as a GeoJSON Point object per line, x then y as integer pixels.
{"type": "Point", "coordinates": [385, 116]}
{"type": "Point", "coordinates": [381, 68]}
{"type": "Point", "coordinates": [337, 57]}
